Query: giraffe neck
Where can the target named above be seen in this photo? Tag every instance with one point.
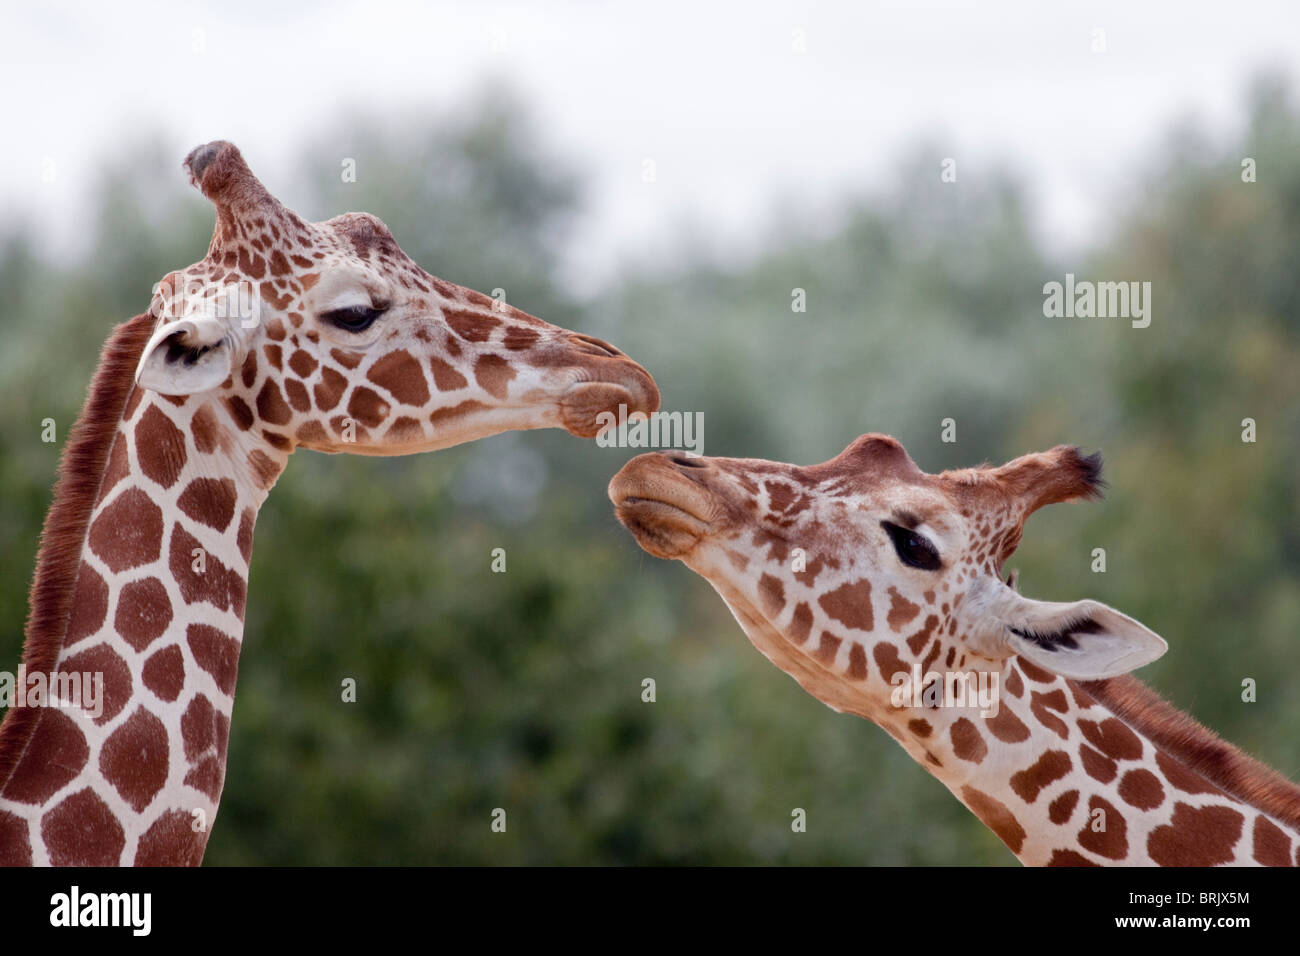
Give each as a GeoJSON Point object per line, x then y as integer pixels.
{"type": "Point", "coordinates": [157, 580]}
{"type": "Point", "coordinates": [1063, 780]}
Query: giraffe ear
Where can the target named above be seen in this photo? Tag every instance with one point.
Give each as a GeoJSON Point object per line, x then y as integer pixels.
{"type": "Point", "coordinates": [1085, 640]}
{"type": "Point", "coordinates": [186, 357]}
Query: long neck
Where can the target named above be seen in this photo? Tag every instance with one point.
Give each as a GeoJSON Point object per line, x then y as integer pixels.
{"type": "Point", "coordinates": [144, 644]}
{"type": "Point", "coordinates": [1063, 780]}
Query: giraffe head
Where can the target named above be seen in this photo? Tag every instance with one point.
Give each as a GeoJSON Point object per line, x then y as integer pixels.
{"type": "Point", "coordinates": [849, 572]}
{"type": "Point", "coordinates": [327, 336]}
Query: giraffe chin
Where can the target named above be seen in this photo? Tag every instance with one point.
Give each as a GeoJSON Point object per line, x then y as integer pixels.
{"type": "Point", "coordinates": [662, 529]}
{"type": "Point", "coordinates": [584, 404]}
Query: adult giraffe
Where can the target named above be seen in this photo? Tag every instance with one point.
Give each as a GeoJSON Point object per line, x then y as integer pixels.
{"type": "Point", "coordinates": [287, 334]}
{"type": "Point", "coordinates": [862, 575]}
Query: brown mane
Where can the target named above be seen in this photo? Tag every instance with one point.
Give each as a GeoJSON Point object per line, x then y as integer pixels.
{"type": "Point", "coordinates": [1197, 748]}
{"type": "Point", "coordinates": [81, 470]}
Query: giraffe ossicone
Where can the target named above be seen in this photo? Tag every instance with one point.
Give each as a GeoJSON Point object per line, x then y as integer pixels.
{"type": "Point", "coordinates": [863, 575]}
{"type": "Point", "coordinates": [286, 334]}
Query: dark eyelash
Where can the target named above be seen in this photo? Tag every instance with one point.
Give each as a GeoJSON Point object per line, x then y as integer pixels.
{"type": "Point", "coordinates": [355, 318]}
{"type": "Point", "coordinates": [912, 548]}
{"type": "Point", "coordinates": [1055, 640]}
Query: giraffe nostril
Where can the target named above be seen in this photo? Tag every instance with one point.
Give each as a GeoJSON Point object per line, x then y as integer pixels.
{"type": "Point", "coordinates": [685, 461]}
{"type": "Point", "coordinates": [593, 345]}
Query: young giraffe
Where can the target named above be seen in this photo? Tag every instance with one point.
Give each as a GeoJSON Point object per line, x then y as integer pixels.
{"type": "Point", "coordinates": [899, 576]}
{"type": "Point", "coordinates": [338, 343]}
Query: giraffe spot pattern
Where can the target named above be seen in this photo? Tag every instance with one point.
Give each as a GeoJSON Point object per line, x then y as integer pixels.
{"type": "Point", "coordinates": [471, 326]}
{"type": "Point", "coordinates": [857, 662]}
{"type": "Point", "coordinates": [1105, 831]}
{"type": "Point", "coordinates": [887, 660]}
{"type": "Point", "coordinates": [1006, 726]}
{"type": "Point", "coordinates": [445, 376]}
{"type": "Point", "coordinates": [1196, 837]}
{"type": "Point", "coordinates": [89, 605]}
{"type": "Point", "coordinates": [800, 623]}
{"type": "Point", "coordinates": [82, 831]}
{"type": "Point", "coordinates": [159, 447]}
{"type": "Point", "coordinates": [1142, 789]}
{"type": "Point", "coordinates": [329, 389]}
{"type": "Point", "coordinates": [771, 595]}
{"type": "Point", "coordinates": [1061, 809]}
{"type": "Point", "coordinates": [902, 611]}
{"type": "Point", "coordinates": [400, 375]}
{"type": "Point", "coordinates": [216, 652]}
{"type": "Point", "coordinates": [204, 429]}
{"type": "Point", "coordinates": [215, 584]}
{"type": "Point", "coordinates": [297, 395]}
{"type": "Point", "coordinates": [103, 660]}
{"type": "Point", "coordinates": [1041, 705]}
{"type": "Point", "coordinates": [518, 338]}
{"type": "Point", "coordinates": [918, 640]}
{"type": "Point", "coordinates": [302, 363]}
{"type": "Point", "coordinates": [171, 841]}
{"type": "Point", "coordinates": [271, 405]}
{"type": "Point", "coordinates": [367, 407]}
{"type": "Point", "coordinates": [1112, 738]}
{"type": "Point", "coordinates": [249, 370]}
{"type": "Point", "coordinates": [1269, 844]}
{"type": "Point", "coordinates": [1096, 765]}
{"type": "Point", "coordinates": [493, 374]}
{"type": "Point", "coordinates": [198, 728]}
{"type": "Point", "coordinates": [15, 843]}
{"type": "Point", "coordinates": [143, 612]}
{"type": "Point", "coordinates": [55, 756]}
{"type": "Point", "coordinates": [164, 673]}
{"type": "Point", "coordinates": [134, 759]}
{"type": "Point", "coordinates": [850, 604]}
{"type": "Point", "coordinates": [207, 777]}
{"type": "Point", "coordinates": [1047, 769]}
{"type": "Point", "coordinates": [240, 413]}
{"type": "Point", "coordinates": [1035, 674]}
{"type": "Point", "coordinates": [264, 468]}
{"type": "Point", "coordinates": [1069, 858]}
{"type": "Point", "coordinates": [128, 532]}
{"type": "Point", "coordinates": [347, 358]}
{"type": "Point", "coordinates": [828, 646]}
{"type": "Point", "coordinates": [967, 742]}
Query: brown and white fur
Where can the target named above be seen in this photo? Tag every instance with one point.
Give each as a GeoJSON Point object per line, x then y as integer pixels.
{"type": "Point", "coordinates": [859, 574]}
{"type": "Point", "coordinates": [286, 335]}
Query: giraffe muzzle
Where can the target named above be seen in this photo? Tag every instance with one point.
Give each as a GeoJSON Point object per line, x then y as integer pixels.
{"type": "Point", "coordinates": [613, 386]}
{"type": "Point", "coordinates": [667, 512]}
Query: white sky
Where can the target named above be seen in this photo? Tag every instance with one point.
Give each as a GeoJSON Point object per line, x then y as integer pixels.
{"type": "Point", "coordinates": [736, 121]}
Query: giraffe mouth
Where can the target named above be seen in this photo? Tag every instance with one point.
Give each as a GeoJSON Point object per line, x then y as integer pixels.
{"type": "Point", "coordinates": [583, 404]}
{"type": "Point", "coordinates": [666, 514]}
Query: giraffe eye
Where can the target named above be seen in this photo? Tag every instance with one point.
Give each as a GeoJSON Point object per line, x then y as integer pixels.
{"type": "Point", "coordinates": [355, 318]}
{"type": "Point", "coordinates": [913, 549]}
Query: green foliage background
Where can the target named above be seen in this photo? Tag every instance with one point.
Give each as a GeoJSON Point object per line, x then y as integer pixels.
{"type": "Point", "coordinates": [522, 690]}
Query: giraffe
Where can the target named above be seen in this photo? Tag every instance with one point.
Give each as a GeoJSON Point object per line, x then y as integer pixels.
{"type": "Point", "coordinates": [286, 334]}
{"type": "Point", "coordinates": [862, 576]}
